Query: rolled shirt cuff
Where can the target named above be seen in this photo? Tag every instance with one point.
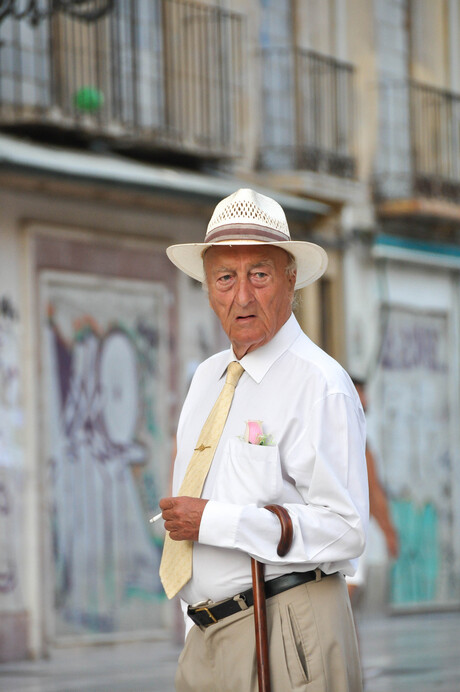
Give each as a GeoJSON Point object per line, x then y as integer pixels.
{"type": "Point", "coordinates": [219, 524]}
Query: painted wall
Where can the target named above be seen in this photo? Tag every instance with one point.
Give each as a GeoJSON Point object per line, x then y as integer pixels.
{"type": "Point", "coordinates": [362, 54]}
{"type": "Point", "coordinates": [88, 407]}
{"type": "Point", "coordinates": [412, 384]}
{"type": "Point", "coordinates": [12, 462]}
{"type": "Point", "coordinates": [106, 443]}
{"type": "Point", "coordinates": [14, 616]}
{"type": "Point", "coordinates": [403, 327]}
{"type": "Point", "coordinates": [429, 42]}
{"type": "Point", "coordinates": [404, 337]}
{"type": "Point", "coordinates": [316, 25]}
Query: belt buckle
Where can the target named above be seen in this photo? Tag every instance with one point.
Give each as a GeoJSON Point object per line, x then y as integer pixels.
{"type": "Point", "coordinates": [201, 608]}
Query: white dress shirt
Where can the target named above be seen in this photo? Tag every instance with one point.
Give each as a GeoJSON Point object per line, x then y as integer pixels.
{"type": "Point", "coordinates": [316, 467]}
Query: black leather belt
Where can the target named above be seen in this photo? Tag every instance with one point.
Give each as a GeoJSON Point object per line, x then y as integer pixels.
{"type": "Point", "coordinates": [205, 614]}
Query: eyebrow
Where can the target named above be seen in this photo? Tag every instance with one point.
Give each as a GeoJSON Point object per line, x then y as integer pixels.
{"type": "Point", "coordinates": [261, 263]}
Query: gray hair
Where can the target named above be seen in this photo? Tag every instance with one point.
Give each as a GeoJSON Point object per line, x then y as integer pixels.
{"type": "Point", "coordinates": [291, 267]}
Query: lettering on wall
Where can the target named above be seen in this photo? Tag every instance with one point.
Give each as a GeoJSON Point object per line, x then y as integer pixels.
{"type": "Point", "coordinates": [413, 346]}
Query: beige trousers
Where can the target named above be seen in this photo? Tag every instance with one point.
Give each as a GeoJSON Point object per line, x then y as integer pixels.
{"type": "Point", "coordinates": [312, 643]}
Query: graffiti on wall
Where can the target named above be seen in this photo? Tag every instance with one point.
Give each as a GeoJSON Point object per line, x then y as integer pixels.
{"type": "Point", "coordinates": [11, 458]}
{"type": "Point", "coordinates": [413, 381]}
{"type": "Point", "coordinates": [105, 379]}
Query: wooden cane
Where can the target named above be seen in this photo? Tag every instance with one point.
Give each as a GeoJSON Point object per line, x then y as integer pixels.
{"type": "Point", "coordinates": [260, 612]}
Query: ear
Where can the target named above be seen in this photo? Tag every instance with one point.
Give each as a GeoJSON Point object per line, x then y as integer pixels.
{"type": "Point", "coordinates": [292, 277]}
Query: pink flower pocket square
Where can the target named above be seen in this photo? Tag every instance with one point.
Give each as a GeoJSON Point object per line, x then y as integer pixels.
{"type": "Point", "coordinates": [255, 435]}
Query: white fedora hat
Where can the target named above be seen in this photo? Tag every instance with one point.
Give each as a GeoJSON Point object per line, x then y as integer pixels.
{"type": "Point", "coordinates": [248, 218]}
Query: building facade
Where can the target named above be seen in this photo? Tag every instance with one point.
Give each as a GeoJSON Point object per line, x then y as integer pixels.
{"type": "Point", "coordinates": [122, 123]}
{"type": "Point", "coordinates": [405, 336]}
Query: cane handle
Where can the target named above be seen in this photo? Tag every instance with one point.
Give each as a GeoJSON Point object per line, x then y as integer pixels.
{"type": "Point", "coordinates": [285, 541]}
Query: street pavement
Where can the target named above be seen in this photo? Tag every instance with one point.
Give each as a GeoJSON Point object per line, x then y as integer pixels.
{"type": "Point", "coordinates": [411, 653]}
{"type": "Point", "coordinates": [405, 653]}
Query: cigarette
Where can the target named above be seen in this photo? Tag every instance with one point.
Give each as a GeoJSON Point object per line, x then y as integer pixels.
{"type": "Point", "coordinates": [156, 517]}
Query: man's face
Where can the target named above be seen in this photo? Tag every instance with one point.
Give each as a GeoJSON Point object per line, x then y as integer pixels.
{"type": "Point", "coordinates": [250, 292]}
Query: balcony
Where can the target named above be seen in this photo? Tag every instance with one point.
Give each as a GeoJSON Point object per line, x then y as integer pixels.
{"type": "Point", "coordinates": [160, 75]}
{"type": "Point", "coordinates": [419, 143]}
{"type": "Point", "coordinates": [307, 113]}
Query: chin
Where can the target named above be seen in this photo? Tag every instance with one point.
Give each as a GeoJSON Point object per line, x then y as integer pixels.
{"type": "Point", "coordinates": [246, 345]}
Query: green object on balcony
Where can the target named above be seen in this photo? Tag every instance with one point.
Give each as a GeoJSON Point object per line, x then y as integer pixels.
{"type": "Point", "coordinates": [88, 99]}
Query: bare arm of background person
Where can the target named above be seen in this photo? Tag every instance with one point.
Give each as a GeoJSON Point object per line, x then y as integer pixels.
{"type": "Point", "coordinates": [378, 506]}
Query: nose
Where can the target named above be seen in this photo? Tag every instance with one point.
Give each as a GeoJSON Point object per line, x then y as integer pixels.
{"type": "Point", "coordinates": [244, 295]}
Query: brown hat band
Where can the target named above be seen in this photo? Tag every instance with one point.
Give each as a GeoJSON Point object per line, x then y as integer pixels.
{"type": "Point", "coordinates": [245, 232]}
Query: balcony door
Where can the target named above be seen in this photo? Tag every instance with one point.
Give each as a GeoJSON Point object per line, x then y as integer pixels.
{"type": "Point", "coordinates": [307, 91]}
{"type": "Point", "coordinates": [278, 89]}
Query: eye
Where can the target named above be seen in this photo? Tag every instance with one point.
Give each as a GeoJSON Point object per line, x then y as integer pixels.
{"type": "Point", "coordinates": [259, 277]}
{"type": "Point", "coordinates": [224, 281]}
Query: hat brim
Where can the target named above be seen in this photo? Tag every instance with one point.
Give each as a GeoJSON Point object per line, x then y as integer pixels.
{"type": "Point", "coordinates": [311, 259]}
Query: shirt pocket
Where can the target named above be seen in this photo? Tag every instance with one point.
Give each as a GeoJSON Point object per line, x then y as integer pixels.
{"type": "Point", "coordinates": [248, 474]}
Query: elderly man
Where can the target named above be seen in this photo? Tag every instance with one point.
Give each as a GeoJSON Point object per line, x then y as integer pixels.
{"type": "Point", "coordinates": [271, 420]}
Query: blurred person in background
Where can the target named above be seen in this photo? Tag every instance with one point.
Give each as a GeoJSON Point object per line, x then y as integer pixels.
{"type": "Point", "coordinates": [378, 508]}
{"type": "Point", "coordinates": [293, 434]}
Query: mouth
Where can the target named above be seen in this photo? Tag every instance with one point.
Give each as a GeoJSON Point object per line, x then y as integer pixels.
{"type": "Point", "coordinates": [245, 318]}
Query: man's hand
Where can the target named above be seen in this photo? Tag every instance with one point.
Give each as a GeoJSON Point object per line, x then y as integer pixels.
{"type": "Point", "coordinates": [182, 516]}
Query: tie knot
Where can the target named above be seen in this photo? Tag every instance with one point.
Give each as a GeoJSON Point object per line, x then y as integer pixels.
{"type": "Point", "coordinates": [234, 372]}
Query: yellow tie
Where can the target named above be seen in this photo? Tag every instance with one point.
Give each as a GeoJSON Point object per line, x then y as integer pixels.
{"type": "Point", "coordinates": [176, 562]}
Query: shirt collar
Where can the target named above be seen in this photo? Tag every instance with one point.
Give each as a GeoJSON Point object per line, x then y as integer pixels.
{"type": "Point", "coordinates": [257, 363]}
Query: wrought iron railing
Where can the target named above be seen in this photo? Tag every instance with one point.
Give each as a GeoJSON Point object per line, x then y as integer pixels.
{"type": "Point", "coordinates": [307, 112]}
{"type": "Point", "coordinates": [36, 11]}
{"type": "Point", "coordinates": [155, 73]}
{"type": "Point", "coordinates": [419, 142]}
